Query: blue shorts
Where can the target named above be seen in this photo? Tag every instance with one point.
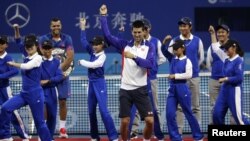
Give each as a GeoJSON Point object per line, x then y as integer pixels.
{"type": "Point", "coordinates": [64, 89]}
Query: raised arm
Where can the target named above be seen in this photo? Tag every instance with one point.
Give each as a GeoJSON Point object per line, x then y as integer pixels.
{"type": "Point", "coordinates": [165, 48]}
{"type": "Point", "coordinates": [161, 59]}
{"type": "Point", "coordinates": [84, 40]}
{"type": "Point", "coordinates": [18, 40]}
{"type": "Point", "coordinates": [96, 64]}
{"type": "Point", "coordinates": [216, 45]}
{"type": "Point", "coordinates": [114, 41]}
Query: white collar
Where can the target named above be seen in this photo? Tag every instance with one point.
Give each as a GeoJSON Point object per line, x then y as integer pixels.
{"type": "Point", "coordinates": [190, 38]}
{"type": "Point", "coordinates": [183, 57]}
{"type": "Point", "coordinates": [33, 56]}
{"type": "Point", "coordinates": [149, 37]}
{"type": "Point", "coordinates": [50, 59]}
{"type": "Point", "coordinates": [98, 54]}
{"type": "Point", "coordinates": [231, 59]}
{"type": "Point", "coordinates": [2, 56]}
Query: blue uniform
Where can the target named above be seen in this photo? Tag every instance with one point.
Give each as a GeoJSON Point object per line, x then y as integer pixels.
{"type": "Point", "coordinates": [179, 93]}
{"type": "Point", "coordinates": [97, 91]}
{"type": "Point", "coordinates": [193, 52]}
{"type": "Point", "coordinates": [51, 71]}
{"type": "Point", "coordinates": [6, 72]}
{"type": "Point", "coordinates": [31, 94]}
{"type": "Point", "coordinates": [59, 51]}
{"type": "Point", "coordinates": [231, 93]}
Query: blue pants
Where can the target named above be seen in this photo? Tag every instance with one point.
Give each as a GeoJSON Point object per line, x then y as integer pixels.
{"type": "Point", "coordinates": [35, 99]}
{"type": "Point", "coordinates": [64, 89]}
{"type": "Point", "coordinates": [179, 93]}
{"type": "Point", "coordinates": [51, 108]}
{"type": "Point", "coordinates": [16, 120]}
{"type": "Point", "coordinates": [97, 94]}
{"type": "Point", "coordinates": [157, 127]}
{"type": "Point", "coordinates": [229, 97]}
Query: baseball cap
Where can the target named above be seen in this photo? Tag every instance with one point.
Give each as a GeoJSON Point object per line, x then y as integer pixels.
{"type": "Point", "coordinates": [30, 40]}
{"type": "Point", "coordinates": [178, 44]}
{"type": "Point", "coordinates": [230, 43]}
{"type": "Point", "coordinates": [223, 26]}
{"type": "Point", "coordinates": [146, 23]}
{"type": "Point", "coordinates": [47, 44]}
{"type": "Point", "coordinates": [97, 40]}
{"type": "Point", "coordinates": [185, 20]}
{"type": "Point", "coordinates": [3, 39]}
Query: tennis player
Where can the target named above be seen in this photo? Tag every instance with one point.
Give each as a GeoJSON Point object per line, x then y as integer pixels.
{"type": "Point", "coordinates": [152, 87]}
{"type": "Point", "coordinates": [138, 57]}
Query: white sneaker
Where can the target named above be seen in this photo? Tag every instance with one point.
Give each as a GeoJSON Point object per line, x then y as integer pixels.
{"type": "Point", "coordinates": [115, 140]}
{"type": "Point", "coordinates": [93, 139]}
{"type": "Point", "coordinates": [7, 139]}
{"type": "Point", "coordinates": [38, 139]}
{"type": "Point", "coordinates": [25, 139]}
{"type": "Point", "coordinates": [133, 136]}
{"type": "Point", "coordinates": [63, 133]}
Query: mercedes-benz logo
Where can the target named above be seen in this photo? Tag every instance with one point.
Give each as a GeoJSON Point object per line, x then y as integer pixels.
{"type": "Point", "coordinates": [17, 13]}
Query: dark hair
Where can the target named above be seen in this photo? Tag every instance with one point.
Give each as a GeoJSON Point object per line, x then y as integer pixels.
{"type": "Point", "coordinates": [138, 24]}
{"type": "Point", "coordinates": [233, 43]}
{"type": "Point", "coordinates": [31, 40]}
{"type": "Point", "coordinates": [179, 44]}
{"type": "Point", "coordinates": [239, 51]}
{"type": "Point", "coordinates": [55, 19]}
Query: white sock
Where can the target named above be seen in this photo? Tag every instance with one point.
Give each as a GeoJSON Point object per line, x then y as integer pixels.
{"type": "Point", "coordinates": [62, 123]}
{"type": "Point", "coordinates": [146, 140]}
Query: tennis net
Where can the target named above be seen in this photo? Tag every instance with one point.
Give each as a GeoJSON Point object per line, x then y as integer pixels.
{"type": "Point", "coordinates": [78, 119]}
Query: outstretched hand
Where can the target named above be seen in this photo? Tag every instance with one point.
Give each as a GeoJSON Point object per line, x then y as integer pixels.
{"type": "Point", "coordinates": [103, 10]}
{"type": "Point", "coordinates": [13, 64]}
